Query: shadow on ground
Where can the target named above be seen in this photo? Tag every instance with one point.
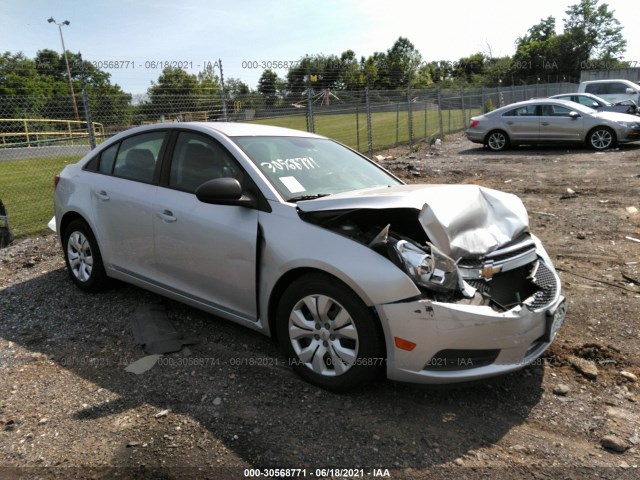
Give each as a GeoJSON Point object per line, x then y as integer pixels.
{"type": "Point", "coordinates": [234, 398]}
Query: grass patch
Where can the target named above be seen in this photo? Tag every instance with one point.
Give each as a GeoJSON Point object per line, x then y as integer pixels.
{"type": "Point", "coordinates": [388, 128]}
{"type": "Point", "coordinates": [26, 189]}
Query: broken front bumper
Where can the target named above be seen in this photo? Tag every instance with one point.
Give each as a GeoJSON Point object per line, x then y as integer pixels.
{"type": "Point", "coordinates": [456, 343]}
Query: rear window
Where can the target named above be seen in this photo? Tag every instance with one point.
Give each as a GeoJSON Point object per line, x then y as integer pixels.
{"type": "Point", "coordinates": [607, 88]}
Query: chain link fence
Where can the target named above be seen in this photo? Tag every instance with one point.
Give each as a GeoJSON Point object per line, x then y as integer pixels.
{"type": "Point", "coordinates": [40, 135]}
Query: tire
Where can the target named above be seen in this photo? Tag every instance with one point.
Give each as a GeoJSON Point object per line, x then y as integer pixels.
{"type": "Point", "coordinates": [601, 138]}
{"type": "Point", "coordinates": [330, 336]}
{"type": "Point", "coordinates": [82, 257]}
{"type": "Point", "coordinates": [497, 141]}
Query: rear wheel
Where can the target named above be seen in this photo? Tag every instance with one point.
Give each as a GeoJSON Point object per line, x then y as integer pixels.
{"type": "Point", "coordinates": [82, 257]}
{"type": "Point", "coordinates": [601, 138]}
{"type": "Point", "coordinates": [329, 334]}
{"type": "Point", "coordinates": [497, 141]}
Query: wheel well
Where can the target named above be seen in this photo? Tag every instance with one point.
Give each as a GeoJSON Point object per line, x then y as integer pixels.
{"type": "Point", "coordinates": [66, 220]}
{"type": "Point", "coordinates": [284, 282]}
{"type": "Point", "coordinates": [602, 127]}
{"type": "Point", "coordinates": [486, 138]}
{"type": "Point", "coordinates": [279, 288]}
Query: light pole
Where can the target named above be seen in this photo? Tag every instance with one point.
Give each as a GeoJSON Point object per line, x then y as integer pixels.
{"type": "Point", "coordinates": [66, 61]}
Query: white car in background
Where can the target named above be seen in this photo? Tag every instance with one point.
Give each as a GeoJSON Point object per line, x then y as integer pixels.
{"type": "Point", "coordinates": [614, 90]}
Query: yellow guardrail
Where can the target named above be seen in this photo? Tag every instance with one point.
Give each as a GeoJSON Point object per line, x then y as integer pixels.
{"type": "Point", "coordinates": [35, 130]}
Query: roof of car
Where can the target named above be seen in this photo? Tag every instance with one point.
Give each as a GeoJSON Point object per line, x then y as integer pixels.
{"type": "Point", "coordinates": [237, 129]}
{"type": "Point", "coordinates": [537, 101]}
{"type": "Point", "coordinates": [609, 80]}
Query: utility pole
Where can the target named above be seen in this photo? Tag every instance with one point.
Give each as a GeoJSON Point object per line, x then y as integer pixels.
{"type": "Point", "coordinates": [66, 61]}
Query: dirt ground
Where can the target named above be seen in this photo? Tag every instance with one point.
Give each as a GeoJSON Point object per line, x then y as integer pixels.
{"type": "Point", "coordinates": [68, 408]}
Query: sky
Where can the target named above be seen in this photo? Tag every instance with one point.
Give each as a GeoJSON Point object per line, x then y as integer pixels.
{"type": "Point", "coordinates": [246, 34]}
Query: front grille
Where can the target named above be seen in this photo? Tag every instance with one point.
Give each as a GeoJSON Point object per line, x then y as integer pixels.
{"type": "Point", "coordinates": [548, 283]}
{"type": "Point", "coordinates": [447, 360]}
{"type": "Point", "coordinates": [508, 289]}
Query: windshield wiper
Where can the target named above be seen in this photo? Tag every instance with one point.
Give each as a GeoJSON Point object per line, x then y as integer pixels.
{"type": "Point", "coordinates": [308, 197]}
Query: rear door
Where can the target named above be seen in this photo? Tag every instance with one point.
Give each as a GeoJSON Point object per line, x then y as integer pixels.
{"type": "Point", "coordinates": [122, 201]}
{"type": "Point", "coordinates": [204, 252]}
{"type": "Point", "coordinates": [522, 123]}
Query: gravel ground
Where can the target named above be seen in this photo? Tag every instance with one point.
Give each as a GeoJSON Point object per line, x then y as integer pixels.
{"type": "Point", "coordinates": [68, 408]}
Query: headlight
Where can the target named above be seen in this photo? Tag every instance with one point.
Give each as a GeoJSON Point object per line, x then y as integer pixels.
{"type": "Point", "coordinates": [433, 270]}
{"type": "Point", "coordinates": [629, 124]}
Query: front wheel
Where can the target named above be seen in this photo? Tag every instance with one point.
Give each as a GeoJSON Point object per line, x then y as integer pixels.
{"type": "Point", "coordinates": [329, 334]}
{"type": "Point", "coordinates": [497, 141]}
{"type": "Point", "coordinates": [601, 138]}
{"type": "Point", "coordinates": [82, 256]}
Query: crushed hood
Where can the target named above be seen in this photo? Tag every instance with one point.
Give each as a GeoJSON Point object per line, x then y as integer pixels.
{"type": "Point", "coordinates": [461, 220]}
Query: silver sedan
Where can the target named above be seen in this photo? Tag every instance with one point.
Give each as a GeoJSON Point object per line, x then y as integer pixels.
{"type": "Point", "coordinates": [552, 121]}
{"type": "Point", "coordinates": [305, 240]}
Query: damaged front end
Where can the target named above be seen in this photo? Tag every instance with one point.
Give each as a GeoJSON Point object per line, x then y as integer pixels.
{"type": "Point", "coordinates": [490, 299]}
{"type": "Point", "coordinates": [460, 243]}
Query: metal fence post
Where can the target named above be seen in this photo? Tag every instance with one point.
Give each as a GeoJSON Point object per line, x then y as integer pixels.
{"type": "Point", "coordinates": [410, 117]}
{"type": "Point", "coordinates": [87, 114]}
{"type": "Point", "coordinates": [464, 115]}
{"type": "Point", "coordinates": [222, 98]}
{"type": "Point", "coordinates": [369, 130]}
{"type": "Point", "coordinates": [397, 123]}
{"type": "Point", "coordinates": [310, 126]}
{"type": "Point", "coordinates": [357, 126]}
{"type": "Point", "coordinates": [425, 117]}
{"type": "Point", "coordinates": [440, 114]}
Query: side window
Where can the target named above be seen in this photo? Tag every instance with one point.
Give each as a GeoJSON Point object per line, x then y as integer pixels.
{"type": "Point", "coordinates": [618, 88]}
{"type": "Point", "coordinates": [527, 111]}
{"type": "Point", "coordinates": [596, 88]}
{"type": "Point", "coordinates": [555, 111]}
{"type": "Point", "coordinates": [137, 157]}
{"type": "Point", "coordinates": [586, 101]}
{"type": "Point", "coordinates": [107, 159]}
{"type": "Point", "coordinates": [196, 159]}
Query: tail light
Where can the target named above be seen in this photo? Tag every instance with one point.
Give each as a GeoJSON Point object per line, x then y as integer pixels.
{"type": "Point", "coordinates": [56, 179]}
{"type": "Point", "coordinates": [474, 123]}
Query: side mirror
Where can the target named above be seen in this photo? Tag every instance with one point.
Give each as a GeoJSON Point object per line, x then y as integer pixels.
{"type": "Point", "coordinates": [574, 115]}
{"type": "Point", "coordinates": [224, 191]}
{"type": "Point", "coordinates": [630, 91]}
{"type": "Point", "coordinates": [595, 105]}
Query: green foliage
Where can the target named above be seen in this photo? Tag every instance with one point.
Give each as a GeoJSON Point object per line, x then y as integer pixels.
{"type": "Point", "coordinates": [488, 105]}
{"type": "Point", "coordinates": [43, 85]}
{"type": "Point", "coordinates": [268, 87]}
{"type": "Point", "coordinates": [592, 36]}
{"type": "Point", "coordinates": [177, 92]}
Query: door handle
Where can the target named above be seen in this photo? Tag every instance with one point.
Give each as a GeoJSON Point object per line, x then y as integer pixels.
{"type": "Point", "coordinates": [102, 195]}
{"type": "Point", "coordinates": [166, 216]}
{"type": "Point", "coordinates": [509, 123]}
{"type": "Point", "coordinates": [545, 123]}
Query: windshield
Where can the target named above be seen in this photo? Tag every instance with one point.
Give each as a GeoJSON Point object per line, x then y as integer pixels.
{"type": "Point", "coordinates": [305, 168]}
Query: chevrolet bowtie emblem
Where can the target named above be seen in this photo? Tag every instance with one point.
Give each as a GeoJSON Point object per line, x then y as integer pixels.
{"type": "Point", "coordinates": [489, 271]}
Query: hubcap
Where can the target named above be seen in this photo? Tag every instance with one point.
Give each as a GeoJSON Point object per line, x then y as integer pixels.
{"type": "Point", "coordinates": [601, 139]}
{"type": "Point", "coordinates": [323, 335]}
{"type": "Point", "coordinates": [497, 141]}
{"type": "Point", "coordinates": [80, 256]}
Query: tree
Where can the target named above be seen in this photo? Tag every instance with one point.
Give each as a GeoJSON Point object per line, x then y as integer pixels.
{"type": "Point", "coordinates": [267, 86]}
{"type": "Point", "coordinates": [42, 85]}
{"type": "Point", "coordinates": [403, 61]}
{"type": "Point", "coordinates": [594, 31]}
{"type": "Point", "coordinates": [319, 71]}
{"type": "Point", "coordinates": [592, 36]}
